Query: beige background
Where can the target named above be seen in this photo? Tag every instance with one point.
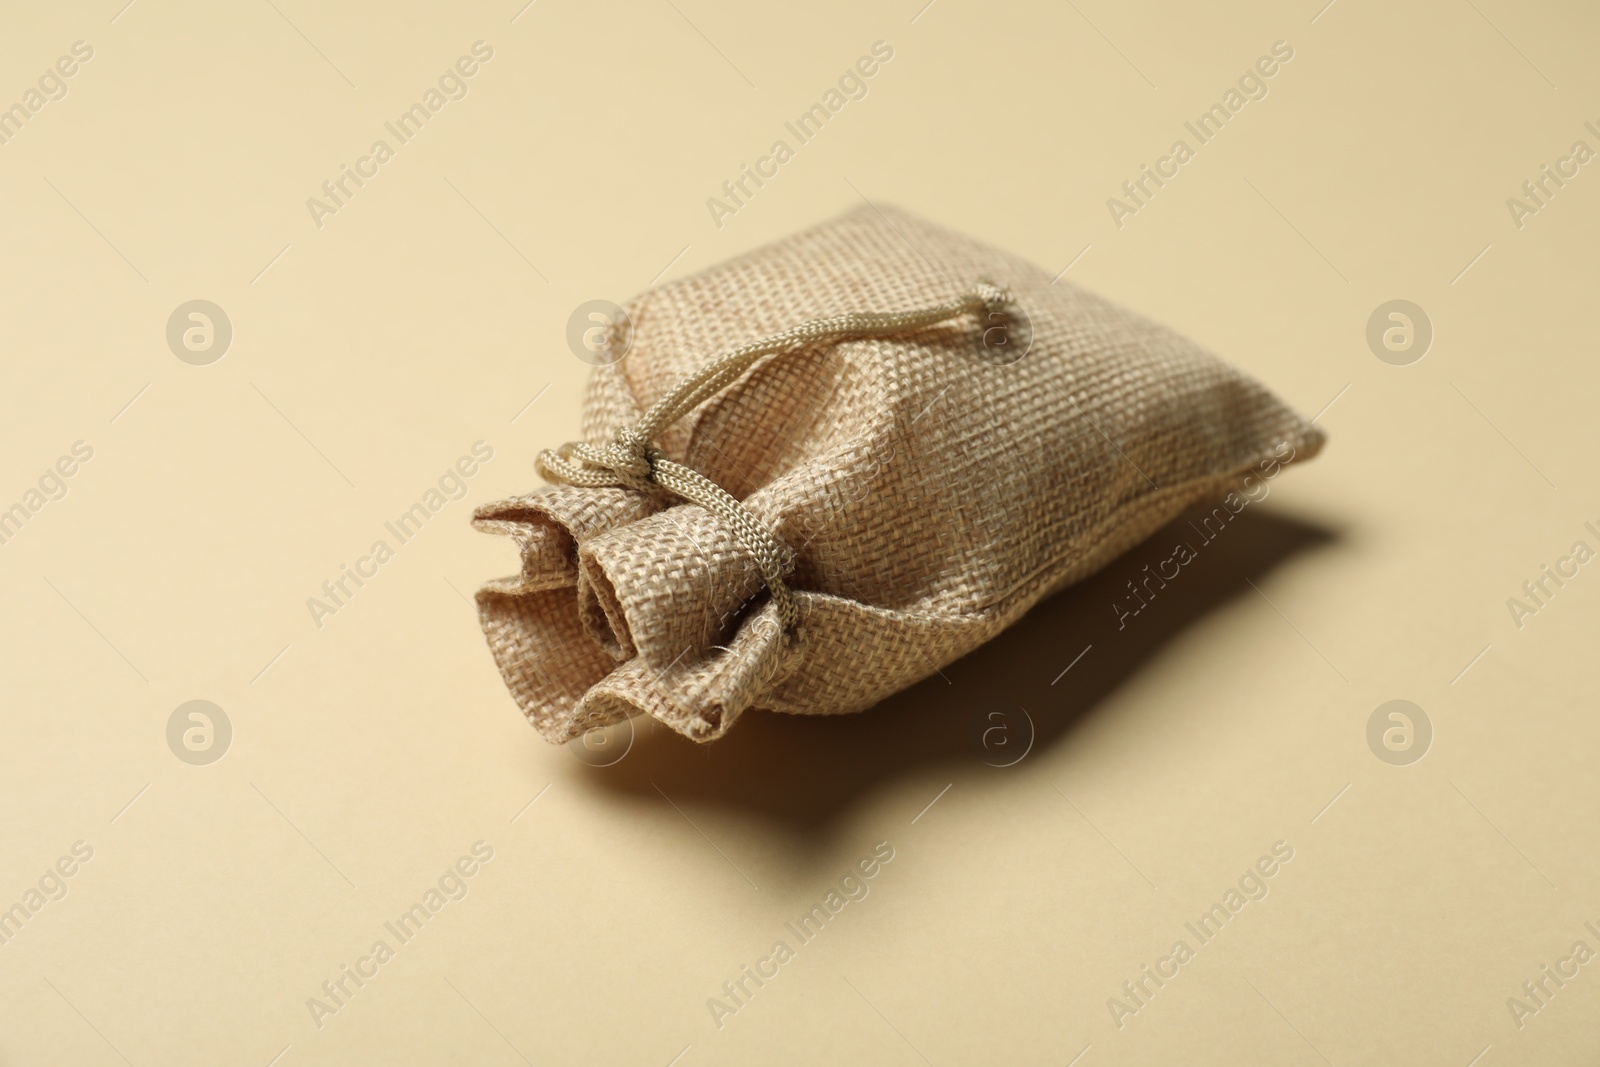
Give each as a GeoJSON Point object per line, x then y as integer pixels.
{"type": "Point", "coordinates": [370, 753]}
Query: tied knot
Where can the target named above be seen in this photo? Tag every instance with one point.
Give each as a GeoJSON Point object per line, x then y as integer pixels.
{"type": "Point", "coordinates": [631, 457]}
{"type": "Point", "coordinates": [994, 298]}
{"type": "Point", "coordinates": [628, 462]}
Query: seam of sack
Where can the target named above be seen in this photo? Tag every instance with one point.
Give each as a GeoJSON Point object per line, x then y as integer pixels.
{"type": "Point", "coordinates": [1004, 604]}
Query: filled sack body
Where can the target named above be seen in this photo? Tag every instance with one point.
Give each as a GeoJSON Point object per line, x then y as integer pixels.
{"type": "Point", "coordinates": [825, 469]}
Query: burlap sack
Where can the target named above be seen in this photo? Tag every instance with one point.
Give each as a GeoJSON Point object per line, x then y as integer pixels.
{"type": "Point", "coordinates": [927, 486]}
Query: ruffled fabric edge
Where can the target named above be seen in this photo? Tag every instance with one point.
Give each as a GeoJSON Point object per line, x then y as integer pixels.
{"type": "Point", "coordinates": [624, 606]}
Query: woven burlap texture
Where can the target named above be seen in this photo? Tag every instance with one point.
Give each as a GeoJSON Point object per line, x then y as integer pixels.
{"type": "Point", "coordinates": [930, 491]}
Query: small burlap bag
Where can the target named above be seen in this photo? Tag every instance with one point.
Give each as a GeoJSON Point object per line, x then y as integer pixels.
{"type": "Point", "coordinates": [811, 524]}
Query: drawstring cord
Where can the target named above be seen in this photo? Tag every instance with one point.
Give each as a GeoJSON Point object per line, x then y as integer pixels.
{"type": "Point", "coordinates": [632, 461]}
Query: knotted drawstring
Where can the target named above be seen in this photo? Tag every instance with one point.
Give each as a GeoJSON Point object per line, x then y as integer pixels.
{"type": "Point", "coordinates": [631, 460]}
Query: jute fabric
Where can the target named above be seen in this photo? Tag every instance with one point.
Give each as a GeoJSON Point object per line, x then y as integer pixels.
{"type": "Point", "coordinates": [912, 490]}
